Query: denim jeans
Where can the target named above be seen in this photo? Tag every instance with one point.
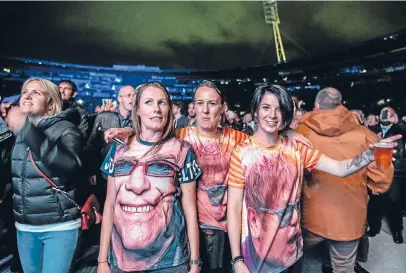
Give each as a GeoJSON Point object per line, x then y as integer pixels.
{"type": "Point", "coordinates": [47, 252]}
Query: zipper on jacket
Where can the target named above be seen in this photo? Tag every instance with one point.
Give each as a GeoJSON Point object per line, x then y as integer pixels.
{"type": "Point", "coordinates": [23, 182]}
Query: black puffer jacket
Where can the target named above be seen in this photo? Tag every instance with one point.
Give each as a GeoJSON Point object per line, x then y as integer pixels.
{"type": "Point", "coordinates": [56, 144]}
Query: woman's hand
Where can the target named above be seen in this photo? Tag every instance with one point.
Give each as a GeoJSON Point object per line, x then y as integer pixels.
{"type": "Point", "coordinates": [123, 134]}
{"type": "Point", "coordinates": [241, 267]}
{"type": "Point", "coordinates": [18, 119]}
{"type": "Point", "coordinates": [296, 137]}
{"type": "Point", "coordinates": [4, 107]}
{"type": "Point", "coordinates": [370, 151]}
{"type": "Point", "coordinates": [103, 268]}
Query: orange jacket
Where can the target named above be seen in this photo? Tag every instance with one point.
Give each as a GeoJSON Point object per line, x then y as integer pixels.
{"type": "Point", "coordinates": [333, 207]}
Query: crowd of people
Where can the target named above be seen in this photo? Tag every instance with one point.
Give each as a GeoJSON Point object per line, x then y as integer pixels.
{"type": "Point", "coordinates": [203, 192]}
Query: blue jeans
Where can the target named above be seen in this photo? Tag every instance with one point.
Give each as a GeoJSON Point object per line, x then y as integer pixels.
{"type": "Point", "coordinates": [47, 252]}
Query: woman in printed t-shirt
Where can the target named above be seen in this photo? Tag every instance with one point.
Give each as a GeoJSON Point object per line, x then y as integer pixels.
{"type": "Point", "coordinates": [213, 146]}
{"type": "Point", "coordinates": [265, 182]}
{"type": "Point", "coordinates": [150, 216]}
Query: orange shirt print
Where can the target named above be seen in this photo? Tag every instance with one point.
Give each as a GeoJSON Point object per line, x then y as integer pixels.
{"type": "Point", "coordinates": [213, 155]}
{"type": "Point", "coordinates": [272, 181]}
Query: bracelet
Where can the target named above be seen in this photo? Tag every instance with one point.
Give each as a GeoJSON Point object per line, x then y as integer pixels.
{"type": "Point", "coordinates": [237, 259]}
{"type": "Point", "coordinates": [102, 262]}
{"type": "Point", "coordinates": [197, 262]}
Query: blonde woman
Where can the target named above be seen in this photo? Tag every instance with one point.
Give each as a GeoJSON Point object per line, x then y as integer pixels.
{"type": "Point", "coordinates": [150, 216]}
{"type": "Point", "coordinates": [47, 141]}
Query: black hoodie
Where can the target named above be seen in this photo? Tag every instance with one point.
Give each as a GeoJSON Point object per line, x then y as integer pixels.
{"type": "Point", "coordinates": [56, 144]}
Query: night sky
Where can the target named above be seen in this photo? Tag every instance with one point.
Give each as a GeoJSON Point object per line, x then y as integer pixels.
{"type": "Point", "coordinates": [204, 35]}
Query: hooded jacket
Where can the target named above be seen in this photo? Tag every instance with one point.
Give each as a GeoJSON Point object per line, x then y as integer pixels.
{"type": "Point", "coordinates": [336, 208]}
{"type": "Point", "coordinates": [56, 144]}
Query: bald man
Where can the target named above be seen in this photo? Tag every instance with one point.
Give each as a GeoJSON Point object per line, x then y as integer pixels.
{"type": "Point", "coordinates": [97, 149]}
{"type": "Point", "coordinates": [126, 99]}
{"type": "Point", "coordinates": [333, 208]}
{"type": "Point", "coordinates": [389, 203]}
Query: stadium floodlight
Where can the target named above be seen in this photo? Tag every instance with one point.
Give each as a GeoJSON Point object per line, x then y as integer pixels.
{"type": "Point", "coordinates": [272, 18]}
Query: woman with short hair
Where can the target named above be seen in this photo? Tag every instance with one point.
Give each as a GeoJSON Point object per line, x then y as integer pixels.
{"type": "Point", "coordinates": [265, 186]}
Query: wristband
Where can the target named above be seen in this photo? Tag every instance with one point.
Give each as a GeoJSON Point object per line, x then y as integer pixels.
{"type": "Point", "coordinates": [102, 262]}
{"type": "Point", "coordinates": [236, 260]}
{"type": "Point", "coordinates": [197, 262]}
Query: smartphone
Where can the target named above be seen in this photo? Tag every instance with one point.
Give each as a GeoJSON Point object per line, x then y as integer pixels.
{"type": "Point", "coordinates": [385, 115]}
{"type": "Point", "coordinates": [118, 141]}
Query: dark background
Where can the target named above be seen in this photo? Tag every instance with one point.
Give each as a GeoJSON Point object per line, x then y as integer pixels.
{"type": "Point", "coordinates": [204, 35]}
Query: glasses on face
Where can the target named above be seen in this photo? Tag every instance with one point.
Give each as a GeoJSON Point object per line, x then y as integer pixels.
{"type": "Point", "coordinates": [155, 168]}
{"type": "Point", "coordinates": [285, 214]}
{"type": "Point", "coordinates": [215, 194]}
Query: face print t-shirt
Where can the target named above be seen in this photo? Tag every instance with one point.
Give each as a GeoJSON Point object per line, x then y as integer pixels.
{"type": "Point", "coordinates": [213, 154]}
{"type": "Point", "coordinates": [272, 181]}
{"type": "Point", "coordinates": [149, 228]}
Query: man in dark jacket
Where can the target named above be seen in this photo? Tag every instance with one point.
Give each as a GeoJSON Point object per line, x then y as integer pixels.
{"type": "Point", "coordinates": [68, 91]}
{"type": "Point", "coordinates": [180, 120]}
{"type": "Point", "coordinates": [96, 148]}
{"type": "Point", "coordinates": [389, 203]}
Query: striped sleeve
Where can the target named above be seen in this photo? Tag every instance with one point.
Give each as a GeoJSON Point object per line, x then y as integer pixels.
{"type": "Point", "coordinates": [235, 176]}
{"type": "Point", "coordinates": [180, 133]}
{"type": "Point", "coordinates": [240, 136]}
{"type": "Point", "coordinates": [310, 157]}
